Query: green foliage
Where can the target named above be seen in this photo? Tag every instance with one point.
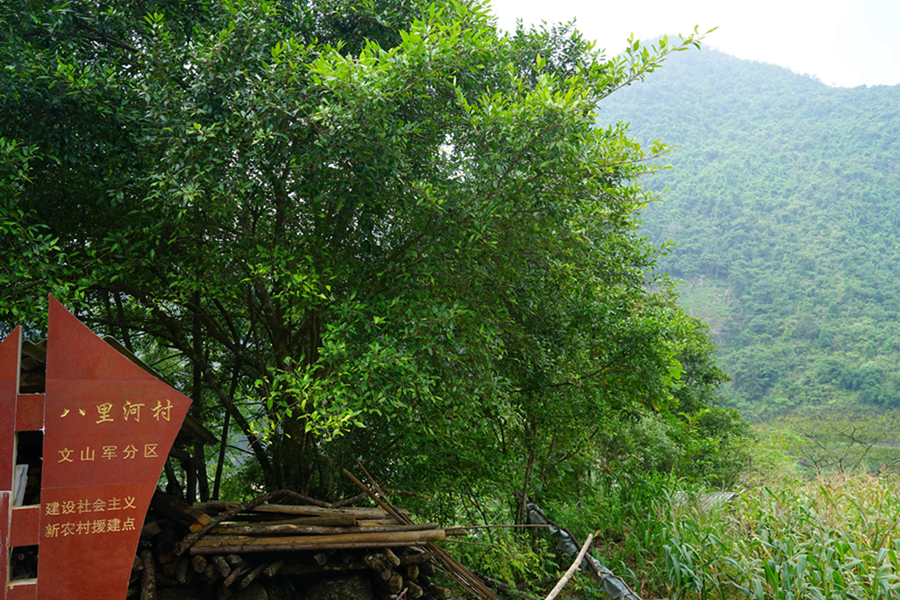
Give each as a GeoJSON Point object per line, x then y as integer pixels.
{"type": "Point", "coordinates": [783, 205]}
{"type": "Point", "coordinates": [845, 443]}
{"type": "Point", "coordinates": [827, 539]}
{"type": "Point", "coordinates": [380, 230]}
{"type": "Point", "coordinates": [32, 254]}
{"type": "Point", "coordinates": [830, 537]}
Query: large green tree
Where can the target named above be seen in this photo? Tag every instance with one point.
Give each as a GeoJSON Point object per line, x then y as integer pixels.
{"type": "Point", "coordinates": [381, 229]}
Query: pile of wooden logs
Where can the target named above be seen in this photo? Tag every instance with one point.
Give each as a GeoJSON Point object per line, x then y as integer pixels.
{"type": "Point", "coordinates": [223, 548]}
{"type": "Point", "coordinates": [278, 528]}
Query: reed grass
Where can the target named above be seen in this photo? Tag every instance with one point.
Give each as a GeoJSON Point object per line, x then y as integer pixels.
{"type": "Point", "coordinates": [827, 538]}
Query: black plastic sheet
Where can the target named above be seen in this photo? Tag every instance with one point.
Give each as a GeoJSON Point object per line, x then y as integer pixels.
{"type": "Point", "coordinates": [614, 587]}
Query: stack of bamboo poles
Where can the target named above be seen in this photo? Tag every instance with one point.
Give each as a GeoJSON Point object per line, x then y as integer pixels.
{"type": "Point", "coordinates": [450, 565]}
{"type": "Point", "coordinates": [233, 545]}
{"type": "Point", "coordinates": [282, 528]}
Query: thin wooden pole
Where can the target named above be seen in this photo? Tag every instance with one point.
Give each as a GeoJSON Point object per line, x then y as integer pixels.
{"type": "Point", "coordinates": [453, 567]}
{"type": "Point", "coordinates": [565, 579]}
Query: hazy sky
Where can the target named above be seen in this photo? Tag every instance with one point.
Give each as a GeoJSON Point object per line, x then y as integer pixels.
{"type": "Point", "coordinates": [844, 43]}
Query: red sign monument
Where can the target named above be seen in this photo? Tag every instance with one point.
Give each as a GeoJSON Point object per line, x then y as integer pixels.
{"type": "Point", "coordinates": [107, 429]}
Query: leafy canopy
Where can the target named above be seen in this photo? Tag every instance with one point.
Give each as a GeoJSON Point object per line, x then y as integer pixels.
{"type": "Point", "coordinates": [381, 229]}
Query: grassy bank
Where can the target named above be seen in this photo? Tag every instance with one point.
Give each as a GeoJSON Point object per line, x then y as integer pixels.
{"type": "Point", "coordinates": [823, 538]}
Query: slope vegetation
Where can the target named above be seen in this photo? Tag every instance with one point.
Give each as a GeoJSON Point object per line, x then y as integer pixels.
{"type": "Point", "coordinates": [784, 206]}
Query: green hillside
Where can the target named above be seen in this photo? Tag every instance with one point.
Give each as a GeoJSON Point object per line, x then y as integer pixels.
{"type": "Point", "coordinates": [784, 204]}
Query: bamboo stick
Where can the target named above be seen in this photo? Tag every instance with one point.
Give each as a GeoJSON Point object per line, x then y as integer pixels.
{"type": "Point", "coordinates": [237, 572]}
{"type": "Point", "coordinates": [288, 547]}
{"type": "Point", "coordinates": [291, 509]}
{"type": "Point", "coordinates": [307, 541]}
{"type": "Point", "coordinates": [148, 580]}
{"type": "Point", "coordinates": [274, 568]}
{"type": "Point", "coordinates": [254, 574]}
{"type": "Point", "coordinates": [393, 558]}
{"type": "Point", "coordinates": [277, 528]}
{"type": "Point", "coordinates": [454, 568]}
{"type": "Point", "coordinates": [199, 564]}
{"type": "Point", "coordinates": [222, 566]}
{"type": "Point", "coordinates": [318, 521]}
{"type": "Point", "coordinates": [565, 579]}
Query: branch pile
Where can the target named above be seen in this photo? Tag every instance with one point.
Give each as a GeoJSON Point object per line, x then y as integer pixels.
{"type": "Point", "coordinates": [224, 547]}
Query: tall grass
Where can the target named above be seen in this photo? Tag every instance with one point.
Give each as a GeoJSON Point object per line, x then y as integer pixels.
{"type": "Point", "coordinates": [828, 538]}
{"type": "Point", "coordinates": [821, 539]}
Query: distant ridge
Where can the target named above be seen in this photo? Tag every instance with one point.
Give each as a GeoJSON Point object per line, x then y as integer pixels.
{"type": "Point", "coordinates": [784, 202]}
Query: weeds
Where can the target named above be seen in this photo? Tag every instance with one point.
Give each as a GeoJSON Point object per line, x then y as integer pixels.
{"type": "Point", "coordinates": [827, 538]}
{"type": "Point", "coordinates": [823, 539]}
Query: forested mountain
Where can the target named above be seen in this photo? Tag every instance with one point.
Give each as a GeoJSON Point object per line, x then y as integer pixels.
{"type": "Point", "coordinates": [784, 206]}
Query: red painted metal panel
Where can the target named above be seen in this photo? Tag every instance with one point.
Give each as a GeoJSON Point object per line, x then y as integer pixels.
{"type": "Point", "coordinates": [108, 427]}
{"type": "Point", "coordinates": [108, 431]}
{"type": "Point", "coordinates": [4, 542]}
{"type": "Point", "coordinates": [22, 591]}
{"type": "Point", "coordinates": [94, 532]}
{"type": "Point", "coordinates": [9, 382]}
{"type": "Point", "coordinates": [24, 526]}
{"type": "Point", "coordinates": [30, 412]}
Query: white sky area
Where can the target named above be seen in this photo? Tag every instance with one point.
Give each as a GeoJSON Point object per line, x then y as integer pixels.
{"type": "Point", "coordinates": [842, 43]}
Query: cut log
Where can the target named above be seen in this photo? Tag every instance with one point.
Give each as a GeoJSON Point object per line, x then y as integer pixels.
{"type": "Point", "coordinates": [415, 591]}
{"type": "Point", "coordinates": [254, 574]}
{"type": "Point", "coordinates": [181, 569]}
{"type": "Point", "coordinates": [221, 566]}
{"type": "Point", "coordinates": [324, 521]}
{"type": "Point", "coordinates": [451, 566]}
{"type": "Point", "coordinates": [199, 563]}
{"type": "Point", "coordinates": [395, 583]}
{"type": "Point", "coordinates": [148, 581]}
{"type": "Point", "coordinates": [386, 522]}
{"type": "Point", "coordinates": [235, 573]}
{"type": "Point", "coordinates": [210, 575]}
{"type": "Point", "coordinates": [376, 562]}
{"type": "Point", "coordinates": [165, 542]}
{"type": "Point", "coordinates": [273, 568]}
{"type": "Point", "coordinates": [260, 503]}
{"type": "Point", "coordinates": [150, 530]}
{"type": "Point", "coordinates": [415, 558]}
{"type": "Point", "coordinates": [393, 558]}
{"type": "Point", "coordinates": [179, 511]}
{"type": "Point", "coordinates": [440, 592]}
